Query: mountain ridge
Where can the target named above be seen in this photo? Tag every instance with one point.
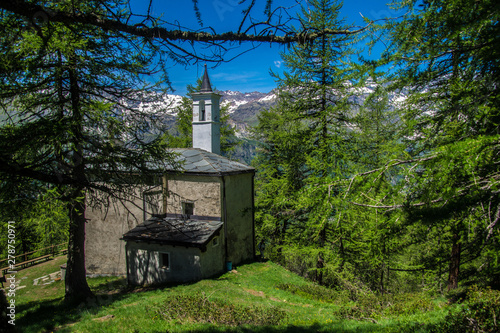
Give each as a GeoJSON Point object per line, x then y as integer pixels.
{"type": "Point", "coordinates": [244, 107]}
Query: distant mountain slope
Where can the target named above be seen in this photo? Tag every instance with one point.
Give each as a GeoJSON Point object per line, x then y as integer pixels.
{"type": "Point", "coordinates": [244, 107]}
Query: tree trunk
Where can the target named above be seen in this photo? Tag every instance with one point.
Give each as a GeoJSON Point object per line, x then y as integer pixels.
{"type": "Point", "coordinates": [454, 263]}
{"type": "Point", "coordinates": [455, 248]}
{"type": "Point", "coordinates": [77, 289]}
{"type": "Point", "coordinates": [320, 263]}
{"type": "Point", "coordinates": [382, 290]}
{"type": "Point", "coordinates": [319, 269]}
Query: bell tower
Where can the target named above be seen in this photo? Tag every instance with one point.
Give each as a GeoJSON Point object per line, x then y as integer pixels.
{"type": "Point", "coordinates": [206, 117]}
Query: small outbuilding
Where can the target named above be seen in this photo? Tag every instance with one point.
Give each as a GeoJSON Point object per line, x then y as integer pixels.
{"type": "Point", "coordinates": [174, 250]}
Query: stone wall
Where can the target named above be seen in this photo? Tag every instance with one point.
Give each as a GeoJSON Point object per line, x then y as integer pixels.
{"type": "Point", "coordinates": [203, 192]}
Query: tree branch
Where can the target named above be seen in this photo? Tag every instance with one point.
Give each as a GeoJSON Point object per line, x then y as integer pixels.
{"type": "Point", "coordinates": [30, 10]}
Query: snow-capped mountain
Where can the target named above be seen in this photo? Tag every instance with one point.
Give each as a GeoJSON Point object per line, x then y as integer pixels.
{"type": "Point", "coordinates": [244, 107]}
{"type": "Point", "coordinates": [167, 102]}
{"type": "Point", "coordinates": [235, 99]}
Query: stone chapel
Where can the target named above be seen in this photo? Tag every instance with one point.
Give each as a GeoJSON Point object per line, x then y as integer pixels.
{"type": "Point", "coordinates": [196, 224]}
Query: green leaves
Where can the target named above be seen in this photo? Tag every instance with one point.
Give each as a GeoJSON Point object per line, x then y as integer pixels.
{"type": "Point", "coordinates": [415, 166]}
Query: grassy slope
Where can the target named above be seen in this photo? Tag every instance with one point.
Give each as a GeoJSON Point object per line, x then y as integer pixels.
{"type": "Point", "coordinates": [254, 286]}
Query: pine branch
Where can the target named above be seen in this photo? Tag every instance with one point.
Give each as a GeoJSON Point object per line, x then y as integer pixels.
{"type": "Point", "coordinates": [266, 35]}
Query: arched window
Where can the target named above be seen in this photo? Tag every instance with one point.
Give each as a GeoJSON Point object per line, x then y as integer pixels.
{"type": "Point", "coordinates": [202, 110]}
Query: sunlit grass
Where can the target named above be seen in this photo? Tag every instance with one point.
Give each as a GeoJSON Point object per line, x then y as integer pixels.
{"type": "Point", "coordinates": [251, 298]}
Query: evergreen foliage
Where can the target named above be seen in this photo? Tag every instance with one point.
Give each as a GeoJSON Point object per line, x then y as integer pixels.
{"type": "Point", "coordinates": [396, 193]}
{"type": "Point", "coordinates": [64, 91]}
{"type": "Point", "coordinates": [307, 149]}
{"type": "Point", "coordinates": [447, 58]}
{"type": "Point", "coordinates": [41, 224]}
{"type": "Point", "coordinates": [389, 195]}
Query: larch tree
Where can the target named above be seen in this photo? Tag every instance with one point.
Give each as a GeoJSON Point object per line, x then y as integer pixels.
{"type": "Point", "coordinates": [374, 234]}
{"type": "Point", "coordinates": [446, 57]}
{"type": "Point", "coordinates": [66, 94]}
{"type": "Point", "coordinates": [304, 145]}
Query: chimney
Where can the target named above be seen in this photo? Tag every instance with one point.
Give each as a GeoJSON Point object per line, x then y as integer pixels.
{"type": "Point", "coordinates": [206, 117]}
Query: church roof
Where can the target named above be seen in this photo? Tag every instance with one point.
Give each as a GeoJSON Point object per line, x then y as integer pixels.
{"type": "Point", "coordinates": [201, 162]}
{"type": "Point", "coordinates": [205, 84]}
{"type": "Point", "coordinates": [175, 231]}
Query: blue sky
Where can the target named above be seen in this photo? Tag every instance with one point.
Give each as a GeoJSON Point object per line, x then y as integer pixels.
{"type": "Point", "coordinates": [249, 71]}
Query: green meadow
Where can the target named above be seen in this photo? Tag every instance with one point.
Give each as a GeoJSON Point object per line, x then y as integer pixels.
{"type": "Point", "coordinates": [257, 297]}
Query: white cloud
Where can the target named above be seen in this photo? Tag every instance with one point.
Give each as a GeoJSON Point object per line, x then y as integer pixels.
{"type": "Point", "coordinates": [278, 63]}
{"type": "Point", "coordinates": [234, 77]}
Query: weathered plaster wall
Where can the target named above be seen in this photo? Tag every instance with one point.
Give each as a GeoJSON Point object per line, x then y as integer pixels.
{"type": "Point", "coordinates": [213, 260]}
{"type": "Point", "coordinates": [204, 192]}
{"type": "Point", "coordinates": [104, 251]}
{"type": "Point", "coordinates": [186, 263]}
{"type": "Point", "coordinates": [240, 230]}
{"type": "Point", "coordinates": [144, 264]}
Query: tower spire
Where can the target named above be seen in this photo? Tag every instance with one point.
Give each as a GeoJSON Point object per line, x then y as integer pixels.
{"type": "Point", "coordinates": [205, 84]}
{"type": "Point", "coordinates": [206, 117]}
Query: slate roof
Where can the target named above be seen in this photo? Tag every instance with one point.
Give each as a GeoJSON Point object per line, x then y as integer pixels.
{"type": "Point", "coordinates": [175, 231]}
{"type": "Point", "coordinates": [199, 161]}
{"type": "Point", "coordinates": [205, 84]}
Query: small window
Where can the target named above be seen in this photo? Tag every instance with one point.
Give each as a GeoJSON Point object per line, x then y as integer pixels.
{"type": "Point", "coordinates": [188, 208]}
{"type": "Point", "coordinates": [165, 260]}
{"type": "Point", "coordinates": [202, 110]}
{"type": "Point", "coordinates": [215, 241]}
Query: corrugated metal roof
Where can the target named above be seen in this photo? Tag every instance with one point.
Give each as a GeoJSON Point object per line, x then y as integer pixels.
{"type": "Point", "coordinates": [174, 231]}
{"type": "Point", "coordinates": [199, 161]}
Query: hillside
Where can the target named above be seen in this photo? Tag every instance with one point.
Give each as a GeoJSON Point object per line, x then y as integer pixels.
{"type": "Point", "coordinates": [244, 108]}
{"type": "Point", "coordinates": [258, 297]}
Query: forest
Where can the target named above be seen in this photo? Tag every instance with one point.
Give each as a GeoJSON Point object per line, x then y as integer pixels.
{"type": "Point", "coordinates": [399, 192]}
{"type": "Point", "coordinates": [395, 193]}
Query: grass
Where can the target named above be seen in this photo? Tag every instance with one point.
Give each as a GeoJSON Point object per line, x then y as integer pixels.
{"type": "Point", "coordinates": [31, 293]}
{"type": "Point", "coordinates": [259, 297]}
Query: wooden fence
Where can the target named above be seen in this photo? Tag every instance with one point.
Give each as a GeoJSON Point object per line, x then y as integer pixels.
{"type": "Point", "coordinates": [33, 257]}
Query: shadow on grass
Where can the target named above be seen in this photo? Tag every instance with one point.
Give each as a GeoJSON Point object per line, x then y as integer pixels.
{"type": "Point", "coordinates": [313, 328]}
{"type": "Point", "coordinates": [45, 315]}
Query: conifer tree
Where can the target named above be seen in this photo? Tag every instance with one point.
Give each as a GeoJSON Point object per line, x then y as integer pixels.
{"type": "Point", "coordinates": [69, 72]}
{"type": "Point", "coordinates": [375, 236]}
{"type": "Point", "coordinates": [66, 95]}
{"type": "Point", "coordinates": [304, 140]}
{"type": "Point", "coordinates": [448, 61]}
